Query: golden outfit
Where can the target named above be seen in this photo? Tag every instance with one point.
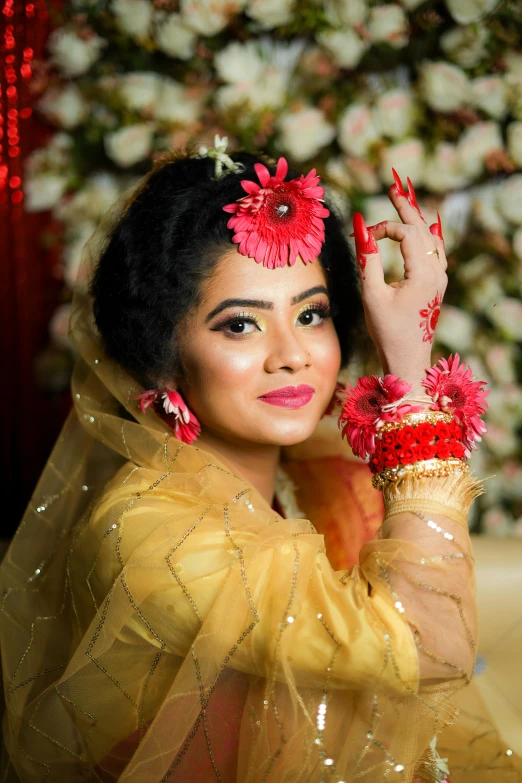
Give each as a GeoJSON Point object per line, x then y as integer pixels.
{"type": "Point", "coordinates": [160, 621]}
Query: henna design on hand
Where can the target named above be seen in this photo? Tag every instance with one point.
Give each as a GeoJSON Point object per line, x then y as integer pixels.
{"type": "Point", "coordinates": [365, 243]}
{"type": "Point", "coordinates": [430, 316]}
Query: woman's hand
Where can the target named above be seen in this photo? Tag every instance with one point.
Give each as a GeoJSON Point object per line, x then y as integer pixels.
{"type": "Point", "coordinates": [401, 317]}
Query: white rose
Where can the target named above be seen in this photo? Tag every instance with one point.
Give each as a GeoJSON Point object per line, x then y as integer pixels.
{"type": "Point", "coordinates": [514, 139]}
{"type": "Point", "coordinates": [393, 113]}
{"type": "Point", "coordinates": [388, 23]}
{"type": "Point", "coordinates": [517, 243]}
{"type": "Point", "coordinates": [444, 87]}
{"type": "Point", "coordinates": [466, 11]}
{"type": "Point", "coordinates": [467, 46]}
{"type": "Point", "coordinates": [271, 13]}
{"type": "Point", "coordinates": [514, 87]}
{"type": "Point", "coordinates": [443, 170]}
{"type": "Point", "coordinates": [140, 90]}
{"type": "Point", "coordinates": [500, 360]}
{"type": "Point", "coordinates": [268, 92]}
{"type": "Point", "coordinates": [406, 156]}
{"type": "Point", "coordinates": [455, 329]}
{"type": "Point", "coordinates": [473, 271]}
{"type": "Point", "coordinates": [209, 17]}
{"type": "Point", "coordinates": [133, 17]}
{"type": "Point", "coordinates": [71, 54]}
{"type": "Point", "coordinates": [513, 61]}
{"type": "Point", "coordinates": [176, 103]}
{"type": "Point", "coordinates": [338, 174]}
{"type": "Point", "coordinates": [485, 293]}
{"type": "Point", "coordinates": [44, 191]}
{"type": "Point", "coordinates": [64, 106]}
{"type": "Point", "coordinates": [173, 37]}
{"type": "Point", "coordinates": [100, 191]}
{"type": "Point", "coordinates": [476, 143]}
{"type": "Point", "coordinates": [305, 132]}
{"type": "Point", "coordinates": [73, 251]}
{"type": "Point", "coordinates": [507, 317]}
{"type": "Point", "coordinates": [364, 175]}
{"type": "Point", "coordinates": [489, 93]}
{"type": "Point", "coordinates": [486, 209]}
{"type": "Point", "coordinates": [346, 46]}
{"type": "Point", "coordinates": [356, 130]}
{"type": "Point", "coordinates": [455, 212]}
{"type": "Point", "coordinates": [345, 12]}
{"type": "Point", "coordinates": [237, 63]}
{"type": "Point", "coordinates": [54, 158]}
{"type": "Point", "coordinates": [130, 144]}
{"type": "Point", "coordinates": [510, 199]}
{"type": "Point", "coordinates": [505, 405]}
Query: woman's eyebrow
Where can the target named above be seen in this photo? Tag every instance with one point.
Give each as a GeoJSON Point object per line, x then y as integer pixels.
{"type": "Point", "coordinates": [261, 304]}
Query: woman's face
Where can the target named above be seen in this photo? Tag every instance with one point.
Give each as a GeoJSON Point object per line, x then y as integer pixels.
{"type": "Point", "coordinates": [258, 331]}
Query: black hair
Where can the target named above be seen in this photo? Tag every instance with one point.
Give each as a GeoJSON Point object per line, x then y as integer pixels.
{"type": "Point", "coordinates": [166, 245]}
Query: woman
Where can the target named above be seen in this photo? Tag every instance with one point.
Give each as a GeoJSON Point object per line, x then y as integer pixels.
{"type": "Point", "coordinates": [169, 612]}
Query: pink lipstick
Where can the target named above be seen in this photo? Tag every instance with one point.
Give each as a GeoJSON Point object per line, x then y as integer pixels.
{"type": "Point", "coordinates": [289, 396]}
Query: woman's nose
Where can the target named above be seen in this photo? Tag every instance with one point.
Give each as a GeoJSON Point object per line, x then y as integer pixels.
{"type": "Point", "coordinates": [286, 353]}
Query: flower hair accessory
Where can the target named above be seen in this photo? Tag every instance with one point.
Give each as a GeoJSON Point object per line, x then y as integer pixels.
{"type": "Point", "coordinates": [222, 160]}
{"type": "Point", "coordinates": [169, 404]}
{"type": "Point", "coordinates": [277, 221]}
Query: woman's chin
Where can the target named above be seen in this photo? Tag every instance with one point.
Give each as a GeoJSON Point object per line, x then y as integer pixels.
{"type": "Point", "coordinates": [288, 433]}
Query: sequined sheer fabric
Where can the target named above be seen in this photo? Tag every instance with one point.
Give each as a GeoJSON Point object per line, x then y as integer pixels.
{"type": "Point", "coordinates": [161, 622]}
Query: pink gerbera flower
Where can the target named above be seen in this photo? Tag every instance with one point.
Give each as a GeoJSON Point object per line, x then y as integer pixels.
{"type": "Point", "coordinates": [185, 425]}
{"type": "Point", "coordinates": [175, 412]}
{"type": "Point", "coordinates": [280, 220]}
{"type": "Point", "coordinates": [454, 391]}
{"type": "Point", "coordinates": [372, 402]}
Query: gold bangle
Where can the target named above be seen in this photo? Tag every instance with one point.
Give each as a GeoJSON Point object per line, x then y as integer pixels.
{"type": "Point", "coordinates": [427, 506]}
{"type": "Point", "coordinates": [413, 419]}
{"type": "Point", "coordinates": [426, 468]}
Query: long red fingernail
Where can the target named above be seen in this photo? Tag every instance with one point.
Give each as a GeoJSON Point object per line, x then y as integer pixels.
{"type": "Point", "coordinates": [376, 227]}
{"type": "Point", "coordinates": [365, 243]}
{"type": "Point", "coordinates": [412, 198]}
{"type": "Point", "coordinates": [436, 228]}
{"type": "Point", "coordinates": [398, 184]}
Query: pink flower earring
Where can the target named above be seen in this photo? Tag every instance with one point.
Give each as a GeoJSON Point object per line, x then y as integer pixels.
{"type": "Point", "coordinates": [170, 405]}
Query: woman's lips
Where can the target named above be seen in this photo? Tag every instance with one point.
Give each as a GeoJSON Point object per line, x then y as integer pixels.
{"type": "Point", "coordinates": [289, 396]}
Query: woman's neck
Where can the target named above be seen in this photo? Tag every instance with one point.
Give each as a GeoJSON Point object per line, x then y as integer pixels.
{"type": "Point", "coordinates": [257, 463]}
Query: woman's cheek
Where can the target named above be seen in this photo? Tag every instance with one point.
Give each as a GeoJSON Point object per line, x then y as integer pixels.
{"type": "Point", "coordinates": [327, 355]}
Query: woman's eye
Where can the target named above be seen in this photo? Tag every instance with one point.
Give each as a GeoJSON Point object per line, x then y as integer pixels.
{"type": "Point", "coordinates": [311, 318]}
{"type": "Point", "coordinates": [242, 326]}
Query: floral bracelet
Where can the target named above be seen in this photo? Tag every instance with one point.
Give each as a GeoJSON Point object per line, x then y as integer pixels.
{"type": "Point", "coordinates": [422, 440]}
{"type": "Point", "coordinates": [376, 405]}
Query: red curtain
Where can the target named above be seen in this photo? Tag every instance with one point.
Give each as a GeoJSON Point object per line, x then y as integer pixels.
{"type": "Point", "coordinates": [29, 283]}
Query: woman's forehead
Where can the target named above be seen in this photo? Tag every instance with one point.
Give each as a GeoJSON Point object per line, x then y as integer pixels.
{"type": "Point", "coordinates": [236, 276]}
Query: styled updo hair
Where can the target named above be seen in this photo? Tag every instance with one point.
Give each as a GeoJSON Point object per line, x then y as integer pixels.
{"type": "Point", "coordinates": [166, 246]}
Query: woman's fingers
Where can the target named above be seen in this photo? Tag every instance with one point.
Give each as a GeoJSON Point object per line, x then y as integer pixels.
{"type": "Point", "coordinates": [436, 228]}
{"type": "Point", "coordinates": [369, 260]}
{"type": "Point", "coordinates": [417, 248]}
{"type": "Point", "coordinates": [405, 202]}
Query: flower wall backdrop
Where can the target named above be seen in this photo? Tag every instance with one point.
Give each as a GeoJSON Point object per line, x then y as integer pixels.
{"type": "Point", "coordinates": [349, 87]}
